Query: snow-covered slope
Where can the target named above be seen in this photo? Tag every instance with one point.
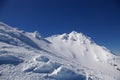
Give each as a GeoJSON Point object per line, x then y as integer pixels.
{"type": "Point", "coordinates": [73, 56]}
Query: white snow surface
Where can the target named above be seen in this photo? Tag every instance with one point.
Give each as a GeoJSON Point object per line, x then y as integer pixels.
{"type": "Point", "coordinates": [73, 56]}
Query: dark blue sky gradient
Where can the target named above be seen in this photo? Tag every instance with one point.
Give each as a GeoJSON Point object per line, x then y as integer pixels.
{"type": "Point", "coordinates": [99, 19]}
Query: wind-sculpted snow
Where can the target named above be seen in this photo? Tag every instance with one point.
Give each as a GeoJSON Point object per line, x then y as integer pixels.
{"type": "Point", "coordinates": [15, 38]}
{"type": "Point", "coordinates": [8, 59]}
{"type": "Point", "coordinates": [46, 68]}
{"type": "Point", "coordinates": [73, 56]}
{"type": "Point", "coordinates": [42, 58]}
{"type": "Point", "coordinates": [66, 74]}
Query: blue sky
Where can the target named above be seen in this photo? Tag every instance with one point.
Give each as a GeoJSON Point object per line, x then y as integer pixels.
{"type": "Point", "coordinates": [99, 19]}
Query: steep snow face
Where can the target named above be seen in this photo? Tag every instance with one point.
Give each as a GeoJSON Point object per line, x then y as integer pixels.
{"type": "Point", "coordinates": [73, 56]}
{"type": "Point", "coordinates": [78, 46]}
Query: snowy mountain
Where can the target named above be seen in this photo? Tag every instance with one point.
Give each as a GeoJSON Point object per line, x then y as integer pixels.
{"type": "Point", "coordinates": [73, 56]}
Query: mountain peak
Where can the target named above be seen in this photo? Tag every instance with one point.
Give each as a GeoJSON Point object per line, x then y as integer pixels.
{"type": "Point", "coordinates": [75, 36]}
{"type": "Point", "coordinates": [72, 37]}
{"type": "Point", "coordinates": [74, 32]}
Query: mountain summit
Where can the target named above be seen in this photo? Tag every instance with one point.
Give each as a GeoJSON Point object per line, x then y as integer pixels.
{"type": "Point", "coordinates": [72, 56]}
{"type": "Point", "coordinates": [73, 37]}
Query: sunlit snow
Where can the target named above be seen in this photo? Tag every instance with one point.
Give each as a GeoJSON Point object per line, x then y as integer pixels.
{"type": "Point", "coordinates": [73, 56]}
